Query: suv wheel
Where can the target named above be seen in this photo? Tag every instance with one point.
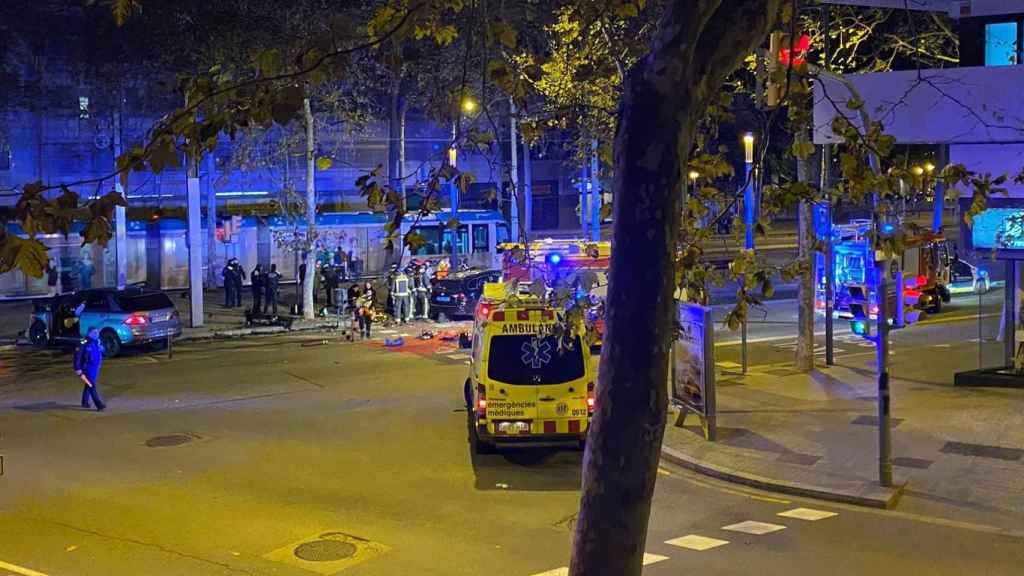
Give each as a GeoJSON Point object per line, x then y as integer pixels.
{"type": "Point", "coordinates": [37, 334]}
{"type": "Point", "coordinates": [111, 343]}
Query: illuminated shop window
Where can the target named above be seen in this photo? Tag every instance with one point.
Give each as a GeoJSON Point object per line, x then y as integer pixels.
{"type": "Point", "coordinates": [1001, 44]}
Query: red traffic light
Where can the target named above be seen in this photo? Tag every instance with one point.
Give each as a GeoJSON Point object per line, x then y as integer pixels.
{"type": "Point", "coordinates": [796, 54]}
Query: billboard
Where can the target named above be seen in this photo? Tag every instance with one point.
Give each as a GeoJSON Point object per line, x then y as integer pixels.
{"type": "Point", "coordinates": [693, 366]}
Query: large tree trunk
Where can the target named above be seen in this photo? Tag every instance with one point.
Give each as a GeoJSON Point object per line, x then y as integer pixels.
{"type": "Point", "coordinates": [804, 359]}
{"type": "Point", "coordinates": [307, 286]}
{"type": "Point", "coordinates": [665, 95]}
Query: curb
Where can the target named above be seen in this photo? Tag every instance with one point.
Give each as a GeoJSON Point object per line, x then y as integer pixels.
{"type": "Point", "coordinates": [868, 495]}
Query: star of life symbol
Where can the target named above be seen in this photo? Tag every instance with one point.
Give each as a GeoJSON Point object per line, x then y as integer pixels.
{"type": "Point", "coordinates": [536, 353]}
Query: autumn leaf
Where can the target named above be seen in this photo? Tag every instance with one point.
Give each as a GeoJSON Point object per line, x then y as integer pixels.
{"type": "Point", "coordinates": [27, 255]}
{"type": "Point", "coordinates": [802, 149]}
{"type": "Point", "coordinates": [324, 163]}
{"type": "Point", "coordinates": [415, 241]}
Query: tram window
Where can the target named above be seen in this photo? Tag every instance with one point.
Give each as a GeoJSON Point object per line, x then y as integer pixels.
{"type": "Point", "coordinates": [480, 238]}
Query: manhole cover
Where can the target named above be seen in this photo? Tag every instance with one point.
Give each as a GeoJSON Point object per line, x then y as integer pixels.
{"type": "Point", "coordinates": [169, 440]}
{"type": "Point", "coordinates": [324, 550]}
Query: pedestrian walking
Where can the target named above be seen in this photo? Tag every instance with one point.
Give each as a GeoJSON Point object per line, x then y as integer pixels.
{"type": "Point", "coordinates": [272, 284]}
{"type": "Point", "coordinates": [228, 273]}
{"type": "Point", "coordinates": [87, 363]}
{"type": "Point", "coordinates": [364, 310]}
{"type": "Point", "coordinates": [256, 284]}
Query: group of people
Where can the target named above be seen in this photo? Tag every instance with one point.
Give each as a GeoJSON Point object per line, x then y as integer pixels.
{"type": "Point", "coordinates": [410, 291]}
{"type": "Point", "coordinates": [265, 286]}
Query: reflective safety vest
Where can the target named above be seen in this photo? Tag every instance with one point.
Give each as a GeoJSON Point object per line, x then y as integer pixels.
{"type": "Point", "coordinates": [400, 285]}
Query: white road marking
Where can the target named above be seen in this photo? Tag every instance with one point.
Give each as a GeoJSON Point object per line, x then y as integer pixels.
{"type": "Point", "coordinates": [809, 514]}
{"type": "Point", "coordinates": [754, 527]}
{"type": "Point", "coordinates": [941, 345]}
{"type": "Point", "coordinates": [653, 558]}
{"type": "Point", "coordinates": [459, 356]}
{"type": "Point", "coordinates": [696, 542]}
{"type": "Point", "coordinates": [19, 569]}
{"type": "Point", "coordinates": [728, 365]}
{"type": "Point", "coordinates": [563, 571]}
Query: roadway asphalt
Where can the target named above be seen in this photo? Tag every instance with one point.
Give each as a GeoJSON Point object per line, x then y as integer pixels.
{"type": "Point", "coordinates": [233, 457]}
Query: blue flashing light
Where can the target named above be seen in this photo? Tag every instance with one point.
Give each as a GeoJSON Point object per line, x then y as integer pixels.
{"type": "Point", "coordinates": [554, 258]}
{"type": "Point", "coordinates": [888, 228]}
{"type": "Point", "coordinates": [859, 327]}
{"type": "Point", "coordinates": [982, 273]}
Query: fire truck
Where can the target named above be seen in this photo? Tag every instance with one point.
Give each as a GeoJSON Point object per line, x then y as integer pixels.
{"type": "Point", "coordinates": [554, 259]}
{"type": "Point", "coordinates": [925, 265]}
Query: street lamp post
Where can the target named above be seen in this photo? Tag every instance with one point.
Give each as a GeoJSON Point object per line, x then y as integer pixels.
{"type": "Point", "coordinates": [748, 221]}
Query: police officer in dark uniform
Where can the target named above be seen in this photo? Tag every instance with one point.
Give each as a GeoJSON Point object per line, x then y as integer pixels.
{"type": "Point", "coordinates": [238, 277]}
{"type": "Point", "coordinates": [229, 285]}
{"type": "Point", "coordinates": [256, 280]}
{"type": "Point", "coordinates": [272, 280]}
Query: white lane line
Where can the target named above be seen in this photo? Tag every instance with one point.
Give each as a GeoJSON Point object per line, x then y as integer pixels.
{"type": "Point", "coordinates": [653, 558]}
{"type": "Point", "coordinates": [19, 569]}
{"type": "Point", "coordinates": [696, 542]}
{"type": "Point", "coordinates": [459, 356]}
{"type": "Point", "coordinates": [754, 527]}
{"type": "Point", "coordinates": [564, 571]}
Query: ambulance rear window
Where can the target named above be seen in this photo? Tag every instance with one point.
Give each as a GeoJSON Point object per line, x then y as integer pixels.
{"type": "Point", "coordinates": [526, 359]}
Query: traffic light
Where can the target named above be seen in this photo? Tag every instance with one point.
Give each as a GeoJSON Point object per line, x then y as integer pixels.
{"type": "Point", "coordinates": [783, 53]}
{"type": "Point", "coordinates": [860, 308]}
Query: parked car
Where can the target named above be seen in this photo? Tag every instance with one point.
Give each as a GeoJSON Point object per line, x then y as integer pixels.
{"type": "Point", "coordinates": [458, 293]}
{"type": "Point", "coordinates": [130, 317]}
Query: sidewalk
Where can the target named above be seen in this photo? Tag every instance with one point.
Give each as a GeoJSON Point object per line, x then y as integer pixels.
{"type": "Point", "coordinates": [219, 321]}
{"type": "Point", "coordinates": [816, 435]}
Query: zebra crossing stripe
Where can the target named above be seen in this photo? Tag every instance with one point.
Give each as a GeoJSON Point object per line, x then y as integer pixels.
{"type": "Point", "coordinates": [808, 514]}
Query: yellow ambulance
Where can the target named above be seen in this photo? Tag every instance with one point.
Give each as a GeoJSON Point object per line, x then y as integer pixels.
{"type": "Point", "coordinates": [523, 389]}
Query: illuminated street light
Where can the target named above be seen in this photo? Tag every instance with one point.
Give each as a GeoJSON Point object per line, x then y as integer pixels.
{"type": "Point", "coordinates": [453, 156]}
{"type": "Point", "coordinates": [693, 175]}
{"type": "Point", "coordinates": [917, 170]}
{"type": "Point", "coordinates": [929, 167]}
{"type": "Point", "coordinates": [468, 105]}
{"type": "Point", "coordinates": [748, 148]}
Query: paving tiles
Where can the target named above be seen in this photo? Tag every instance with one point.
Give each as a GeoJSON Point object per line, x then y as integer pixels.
{"type": "Point", "coordinates": [909, 462]}
{"type": "Point", "coordinates": [866, 420]}
{"type": "Point", "coordinates": [798, 458]}
{"type": "Point", "coordinates": [982, 451]}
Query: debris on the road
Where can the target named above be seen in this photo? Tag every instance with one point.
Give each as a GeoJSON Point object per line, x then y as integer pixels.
{"type": "Point", "coordinates": [393, 342]}
{"type": "Point", "coordinates": [71, 548]}
{"type": "Point", "coordinates": [426, 335]}
{"type": "Point", "coordinates": [322, 342]}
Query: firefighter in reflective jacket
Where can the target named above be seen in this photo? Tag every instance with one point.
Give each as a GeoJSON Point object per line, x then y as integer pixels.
{"type": "Point", "coordinates": [401, 294]}
{"type": "Point", "coordinates": [421, 285]}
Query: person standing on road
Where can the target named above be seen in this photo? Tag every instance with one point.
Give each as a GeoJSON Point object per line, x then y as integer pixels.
{"type": "Point", "coordinates": [239, 278]}
{"type": "Point", "coordinates": [256, 284]}
{"type": "Point", "coordinates": [401, 295]}
{"type": "Point", "coordinates": [271, 283]}
{"type": "Point", "coordinates": [364, 310]}
{"type": "Point", "coordinates": [87, 363]}
{"type": "Point", "coordinates": [421, 286]}
{"type": "Point", "coordinates": [228, 273]}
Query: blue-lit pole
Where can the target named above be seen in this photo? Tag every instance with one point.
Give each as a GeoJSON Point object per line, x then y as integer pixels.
{"type": "Point", "coordinates": [748, 193]}
{"type": "Point", "coordinates": [584, 193]}
{"type": "Point", "coordinates": [595, 194]}
{"type": "Point", "coordinates": [748, 221]}
{"type": "Point", "coordinates": [453, 197]}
